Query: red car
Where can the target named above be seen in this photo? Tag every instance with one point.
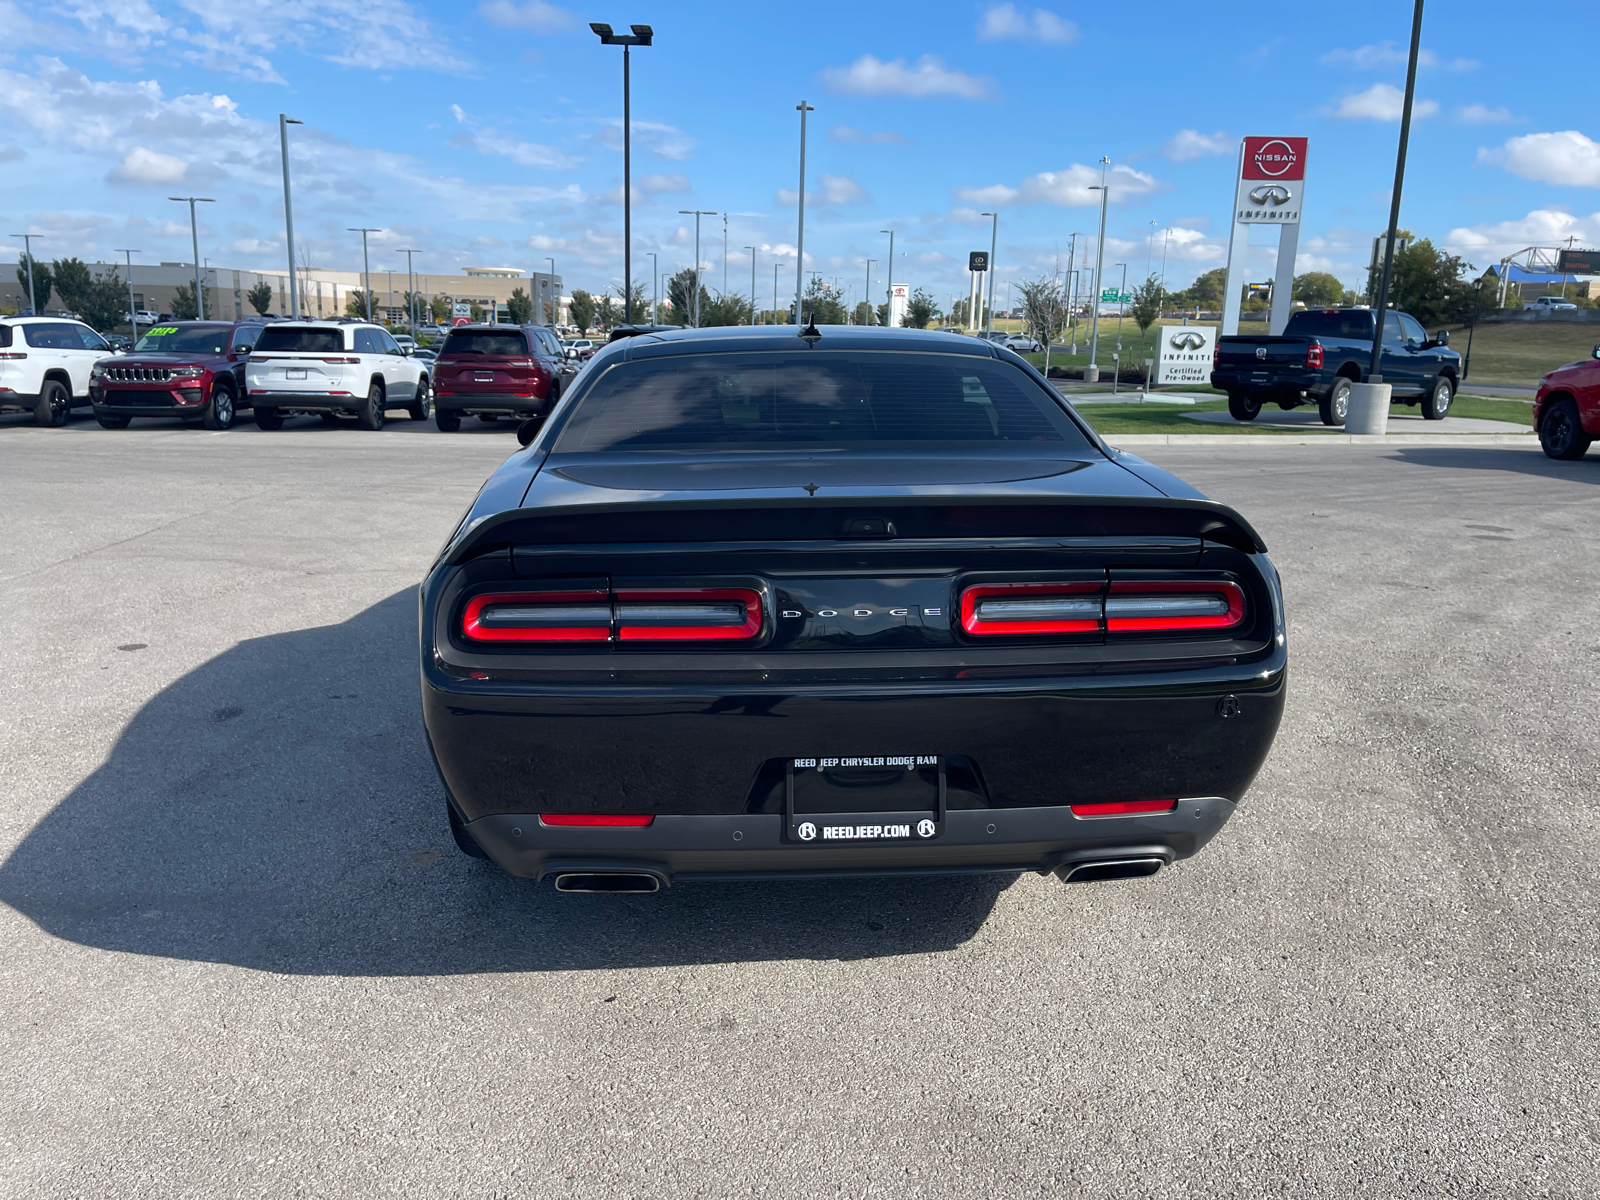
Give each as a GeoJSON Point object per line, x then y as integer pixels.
{"type": "Point", "coordinates": [193, 370]}
{"type": "Point", "coordinates": [496, 371]}
{"type": "Point", "coordinates": [1566, 412]}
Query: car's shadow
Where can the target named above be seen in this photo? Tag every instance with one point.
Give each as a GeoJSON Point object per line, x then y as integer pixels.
{"type": "Point", "coordinates": [276, 808]}
{"type": "Point", "coordinates": [1491, 458]}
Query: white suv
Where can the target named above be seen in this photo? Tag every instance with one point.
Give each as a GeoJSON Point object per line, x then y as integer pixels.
{"type": "Point", "coordinates": [329, 368]}
{"type": "Point", "coordinates": [45, 364]}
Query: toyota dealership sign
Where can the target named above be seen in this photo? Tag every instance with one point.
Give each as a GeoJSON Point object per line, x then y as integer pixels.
{"type": "Point", "coordinates": [1272, 173]}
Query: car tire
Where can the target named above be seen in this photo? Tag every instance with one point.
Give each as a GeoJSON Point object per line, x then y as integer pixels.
{"type": "Point", "coordinates": [370, 415]}
{"type": "Point", "coordinates": [1334, 407]}
{"type": "Point", "coordinates": [220, 412]}
{"type": "Point", "coordinates": [465, 842]}
{"type": "Point", "coordinates": [268, 418]}
{"type": "Point", "coordinates": [1437, 404]}
{"type": "Point", "coordinates": [55, 404]}
{"type": "Point", "coordinates": [1243, 407]}
{"type": "Point", "coordinates": [447, 422]}
{"type": "Point", "coordinates": [1561, 432]}
{"type": "Point", "coordinates": [421, 408]}
{"type": "Point", "coordinates": [110, 422]}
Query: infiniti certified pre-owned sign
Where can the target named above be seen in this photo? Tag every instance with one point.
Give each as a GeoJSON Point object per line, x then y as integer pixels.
{"type": "Point", "coordinates": [1187, 339]}
{"type": "Point", "coordinates": [1185, 354]}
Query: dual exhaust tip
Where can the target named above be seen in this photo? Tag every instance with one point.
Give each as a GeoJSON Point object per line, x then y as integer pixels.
{"type": "Point", "coordinates": [1124, 866]}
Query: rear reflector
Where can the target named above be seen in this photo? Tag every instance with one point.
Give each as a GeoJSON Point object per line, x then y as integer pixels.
{"type": "Point", "coordinates": [1031, 608]}
{"type": "Point", "coordinates": [1123, 808]}
{"type": "Point", "coordinates": [592, 819]}
{"type": "Point", "coordinates": [688, 614]}
{"type": "Point", "coordinates": [1145, 605]}
{"type": "Point", "coordinates": [576, 616]}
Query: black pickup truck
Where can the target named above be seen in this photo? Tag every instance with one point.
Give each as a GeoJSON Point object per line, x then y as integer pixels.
{"type": "Point", "coordinates": [1322, 351]}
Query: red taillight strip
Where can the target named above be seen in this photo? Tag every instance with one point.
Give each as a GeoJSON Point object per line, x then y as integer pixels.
{"type": "Point", "coordinates": [609, 819]}
{"type": "Point", "coordinates": [974, 623]}
{"type": "Point", "coordinates": [1206, 593]}
{"type": "Point", "coordinates": [1123, 808]}
{"type": "Point", "coordinates": [591, 607]}
{"type": "Point", "coordinates": [707, 624]}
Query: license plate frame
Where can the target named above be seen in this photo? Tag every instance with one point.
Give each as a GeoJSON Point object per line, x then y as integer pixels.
{"type": "Point", "coordinates": [294, 373]}
{"type": "Point", "coordinates": [817, 817]}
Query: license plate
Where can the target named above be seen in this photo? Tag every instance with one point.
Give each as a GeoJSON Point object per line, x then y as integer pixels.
{"type": "Point", "coordinates": [483, 378]}
{"type": "Point", "coordinates": [294, 373]}
{"type": "Point", "coordinates": [851, 800]}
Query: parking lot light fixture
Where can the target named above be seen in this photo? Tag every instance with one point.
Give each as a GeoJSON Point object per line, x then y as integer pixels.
{"type": "Point", "coordinates": [366, 267]}
{"type": "Point", "coordinates": [642, 35]}
{"type": "Point", "coordinates": [194, 238]}
{"type": "Point", "coordinates": [1374, 369]}
{"type": "Point", "coordinates": [868, 293]}
{"type": "Point", "coordinates": [800, 223]}
{"type": "Point", "coordinates": [1121, 304]}
{"type": "Point", "coordinates": [133, 313]}
{"type": "Point", "coordinates": [1099, 265]}
{"type": "Point", "coordinates": [288, 210]}
{"type": "Point", "coordinates": [655, 288]}
{"type": "Point", "coordinates": [411, 292]}
{"type": "Point", "coordinates": [27, 249]}
{"type": "Point", "coordinates": [555, 293]}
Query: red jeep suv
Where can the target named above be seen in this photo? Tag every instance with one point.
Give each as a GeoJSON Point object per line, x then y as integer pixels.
{"type": "Point", "coordinates": [188, 369]}
{"type": "Point", "coordinates": [493, 371]}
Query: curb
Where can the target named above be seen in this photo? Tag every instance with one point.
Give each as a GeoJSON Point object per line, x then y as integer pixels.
{"type": "Point", "coordinates": [1526, 441]}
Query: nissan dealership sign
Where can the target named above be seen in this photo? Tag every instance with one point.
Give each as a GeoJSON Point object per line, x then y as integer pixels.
{"type": "Point", "coordinates": [1185, 353]}
{"type": "Point", "coordinates": [1272, 174]}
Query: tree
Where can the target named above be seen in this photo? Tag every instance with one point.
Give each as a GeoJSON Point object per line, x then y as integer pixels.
{"type": "Point", "coordinates": [822, 304]}
{"type": "Point", "coordinates": [184, 307]}
{"type": "Point", "coordinates": [681, 295]}
{"type": "Point", "coordinates": [439, 308]}
{"type": "Point", "coordinates": [521, 307]}
{"type": "Point", "coordinates": [1318, 289]}
{"type": "Point", "coordinates": [1148, 298]}
{"type": "Point", "coordinates": [919, 310]}
{"type": "Point", "coordinates": [100, 303]}
{"type": "Point", "coordinates": [641, 310]}
{"type": "Point", "coordinates": [355, 304]}
{"type": "Point", "coordinates": [72, 281]}
{"type": "Point", "coordinates": [582, 309]}
{"type": "Point", "coordinates": [606, 312]}
{"type": "Point", "coordinates": [1044, 308]}
{"type": "Point", "coordinates": [958, 313]}
{"type": "Point", "coordinates": [1428, 283]}
{"type": "Point", "coordinates": [260, 297]}
{"type": "Point", "coordinates": [43, 281]}
{"type": "Point", "coordinates": [1206, 291]}
{"type": "Point", "coordinates": [475, 312]}
{"type": "Point", "coordinates": [727, 308]}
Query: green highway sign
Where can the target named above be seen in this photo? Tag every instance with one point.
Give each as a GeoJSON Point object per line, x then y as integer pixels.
{"type": "Point", "coordinates": [1112, 296]}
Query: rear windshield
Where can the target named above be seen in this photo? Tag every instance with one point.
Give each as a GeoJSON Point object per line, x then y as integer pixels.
{"type": "Point", "coordinates": [315, 340]}
{"type": "Point", "coordinates": [818, 398]}
{"type": "Point", "coordinates": [186, 339]}
{"type": "Point", "coordinates": [505, 345]}
{"type": "Point", "coordinates": [5, 336]}
{"type": "Point", "coordinates": [1341, 324]}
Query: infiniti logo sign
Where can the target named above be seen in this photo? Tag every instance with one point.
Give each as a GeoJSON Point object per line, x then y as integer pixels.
{"type": "Point", "coordinates": [1188, 340]}
{"type": "Point", "coordinates": [1271, 194]}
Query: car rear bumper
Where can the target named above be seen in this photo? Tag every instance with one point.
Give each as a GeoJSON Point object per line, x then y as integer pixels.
{"type": "Point", "coordinates": [488, 402]}
{"type": "Point", "coordinates": [11, 399]}
{"type": "Point", "coordinates": [757, 846]}
{"type": "Point", "coordinates": [303, 401]}
{"type": "Point", "coordinates": [1276, 384]}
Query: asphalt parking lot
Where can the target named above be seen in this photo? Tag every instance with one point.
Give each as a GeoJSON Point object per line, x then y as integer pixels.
{"type": "Point", "coordinates": [242, 957]}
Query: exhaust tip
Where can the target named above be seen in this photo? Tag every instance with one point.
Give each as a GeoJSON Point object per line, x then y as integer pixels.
{"type": "Point", "coordinates": [1095, 870]}
{"type": "Point", "coordinates": [607, 881]}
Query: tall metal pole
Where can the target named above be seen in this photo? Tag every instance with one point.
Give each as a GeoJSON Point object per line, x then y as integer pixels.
{"type": "Point", "coordinates": [697, 213]}
{"type": "Point", "coordinates": [994, 242]}
{"type": "Point", "coordinates": [1121, 304]}
{"type": "Point", "coordinates": [655, 287]}
{"type": "Point", "coordinates": [642, 35]}
{"type": "Point", "coordinates": [366, 265]}
{"type": "Point", "coordinates": [724, 254]}
{"type": "Point", "coordinates": [555, 294]}
{"type": "Point", "coordinates": [1099, 263]}
{"type": "Point", "coordinates": [1374, 369]}
{"type": "Point", "coordinates": [800, 225]}
{"type": "Point", "coordinates": [133, 320]}
{"type": "Point", "coordinates": [888, 289]}
{"type": "Point", "coordinates": [1072, 303]}
{"type": "Point", "coordinates": [774, 291]}
{"type": "Point", "coordinates": [1477, 293]}
{"type": "Point", "coordinates": [752, 250]}
{"type": "Point", "coordinates": [288, 209]}
{"type": "Point", "coordinates": [27, 249]}
{"type": "Point", "coordinates": [868, 293]}
{"type": "Point", "coordinates": [194, 239]}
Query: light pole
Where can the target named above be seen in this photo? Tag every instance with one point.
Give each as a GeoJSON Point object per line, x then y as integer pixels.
{"type": "Point", "coordinates": [800, 224]}
{"type": "Point", "coordinates": [366, 268]}
{"type": "Point", "coordinates": [194, 238]}
{"type": "Point", "coordinates": [555, 294]}
{"type": "Point", "coordinates": [752, 250]}
{"type": "Point", "coordinates": [774, 291]}
{"type": "Point", "coordinates": [27, 248]}
{"type": "Point", "coordinates": [642, 36]}
{"type": "Point", "coordinates": [1477, 294]}
{"type": "Point", "coordinates": [697, 213]}
{"type": "Point", "coordinates": [411, 291]}
{"type": "Point", "coordinates": [724, 254]}
{"type": "Point", "coordinates": [133, 320]}
{"type": "Point", "coordinates": [994, 240]}
{"type": "Point", "coordinates": [288, 210]}
{"type": "Point", "coordinates": [888, 287]}
{"type": "Point", "coordinates": [655, 288]}
{"type": "Point", "coordinates": [1072, 303]}
{"type": "Point", "coordinates": [1375, 370]}
{"type": "Point", "coordinates": [1099, 262]}
{"type": "Point", "coordinates": [1121, 304]}
{"type": "Point", "coordinates": [868, 293]}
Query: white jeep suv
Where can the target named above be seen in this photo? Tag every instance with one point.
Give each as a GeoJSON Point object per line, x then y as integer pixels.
{"type": "Point", "coordinates": [45, 364]}
{"type": "Point", "coordinates": [333, 367]}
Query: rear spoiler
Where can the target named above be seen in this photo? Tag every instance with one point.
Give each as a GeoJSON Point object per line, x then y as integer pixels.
{"type": "Point", "coordinates": [909, 517]}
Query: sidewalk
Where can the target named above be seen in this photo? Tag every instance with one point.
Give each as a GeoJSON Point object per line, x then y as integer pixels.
{"type": "Point", "coordinates": [1411, 423]}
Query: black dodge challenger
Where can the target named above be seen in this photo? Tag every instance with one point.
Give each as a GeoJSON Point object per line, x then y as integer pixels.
{"type": "Point", "coordinates": [767, 602]}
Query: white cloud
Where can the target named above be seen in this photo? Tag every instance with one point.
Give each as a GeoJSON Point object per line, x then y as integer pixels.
{"type": "Point", "coordinates": [1568, 159]}
{"type": "Point", "coordinates": [505, 145]}
{"type": "Point", "coordinates": [1482, 114]}
{"type": "Point", "coordinates": [664, 141]}
{"type": "Point", "coordinates": [1191, 143]}
{"type": "Point", "coordinates": [928, 76]}
{"type": "Point", "coordinates": [535, 15]}
{"type": "Point", "coordinates": [830, 189]}
{"type": "Point", "coordinates": [1068, 188]}
{"type": "Point", "coordinates": [148, 168]}
{"type": "Point", "coordinates": [1382, 102]}
{"type": "Point", "coordinates": [1006, 21]}
{"type": "Point", "coordinates": [856, 137]}
{"type": "Point", "coordinates": [456, 111]}
{"type": "Point", "coordinates": [1541, 227]}
{"type": "Point", "coordinates": [674, 183]}
{"type": "Point", "coordinates": [1386, 55]}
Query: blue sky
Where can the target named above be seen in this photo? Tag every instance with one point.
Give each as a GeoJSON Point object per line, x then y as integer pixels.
{"type": "Point", "coordinates": [488, 133]}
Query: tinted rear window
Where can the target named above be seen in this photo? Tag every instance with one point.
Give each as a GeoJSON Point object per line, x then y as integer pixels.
{"type": "Point", "coordinates": [1356, 325]}
{"type": "Point", "coordinates": [181, 339]}
{"type": "Point", "coordinates": [5, 336]}
{"type": "Point", "coordinates": [312, 340]}
{"type": "Point", "coordinates": [505, 345]}
{"type": "Point", "coordinates": [820, 398]}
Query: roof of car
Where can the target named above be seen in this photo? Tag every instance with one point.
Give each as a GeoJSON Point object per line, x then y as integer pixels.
{"type": "Point", "coordinates": [787, 337]}
{"type": "Point", "coordinates": [51, 320]}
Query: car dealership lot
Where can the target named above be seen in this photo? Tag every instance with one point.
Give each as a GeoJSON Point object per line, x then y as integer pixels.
{"type": "Point", "coordinates": [244, 958]}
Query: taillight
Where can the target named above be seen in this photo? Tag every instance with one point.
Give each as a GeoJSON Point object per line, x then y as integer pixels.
{"type": "Point", "coordinates": [1123, 808]}
{"type": "Point", "coordinates": [582, 615]}
{"type": "Point", "coordinates": [593, 819]}
{"type": "Point", "coordinates": [688, 614]}
{"type": "Point", "coordinates": [1216, 354]}
{"type": "Point", "coordinates": [1314, 355]}
{"type": "Point", "coordinates": [341, 360]}
{"type": "Point", "coordinates": [1144, 605]}
{"type": "Point", "coordinates": [1031, 608]}
{"type": "Point", "coordinates": [12, 354]}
